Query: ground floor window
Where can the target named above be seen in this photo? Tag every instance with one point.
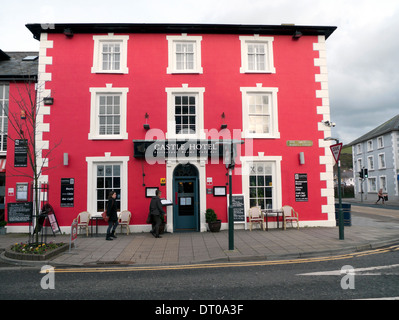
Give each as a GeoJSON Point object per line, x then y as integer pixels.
{"type": "Point", "coordinates": [108, 179]}
{"type": "Point", "coordinates": [261, 185]}
{"type": "Point", "coordinates": [104, 174]}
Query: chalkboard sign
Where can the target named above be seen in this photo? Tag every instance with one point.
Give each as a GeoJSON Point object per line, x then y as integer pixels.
{"type": "Point", "coordinates": [238, 207]}
{"type": "Point", "coordinates": [19, 212]}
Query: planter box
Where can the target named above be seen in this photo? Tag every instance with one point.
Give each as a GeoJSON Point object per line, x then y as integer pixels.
{"type": "Point", "coordinates": [35, 257]}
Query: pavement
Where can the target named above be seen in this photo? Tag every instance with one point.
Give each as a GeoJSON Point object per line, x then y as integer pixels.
{"type": "Point", "coordinates": [373, 226]}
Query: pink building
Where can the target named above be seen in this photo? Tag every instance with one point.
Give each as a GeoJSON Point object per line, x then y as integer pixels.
{"type": "Point", "coordinates": [137, 107]}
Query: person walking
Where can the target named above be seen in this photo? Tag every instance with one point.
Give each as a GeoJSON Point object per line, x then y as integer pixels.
{"type": "Point", "coordinates": [113, 216]}
{"type": "Point", "coordinates": [156, 211]}
{"type": "Point", "coordinates": [380, 196]}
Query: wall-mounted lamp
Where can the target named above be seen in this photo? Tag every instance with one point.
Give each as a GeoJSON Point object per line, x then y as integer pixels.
{"type": "Point", "coordinates": [48, 101]}
{"type": "Point", "coordinates": [301, 158]}
{"type": "Point", "coordinates": [223, 126]}
{"type": "Point", "coordinates": [297, 35]}
{"type": "Point", "coordinates": [23, 114]}
{"type": "Point", "coordinates": [66, 159]}
{"type": "Point", "coordinates": [146, 125]}
{"type": "Point", "coordinates": [68, 32]}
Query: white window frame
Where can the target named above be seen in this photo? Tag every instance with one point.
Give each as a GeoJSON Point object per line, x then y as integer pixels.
{"type": "Point", "coordinates": [276, 178]}
{"type": "Point", "coordinates": [372, 187]}
{"type": "Point", "coordinates": [269, 58]}
{"type": "Point", "coordinates": [171, 123]}
{"type": "Point", "coordinates": [370, 145]}
{"type": "Point", "coordinates": [97, 53]}
{"type": "Point", "coordinates": [4, 111]}
{"type": "Point", "coordinates": [107, 159]}
{"type": "Point", "coordinates": [274, 128]}
{"type": "Point", "coordinates": [383, 185]}
{"type": "Point", "coordinates": [370, 162]}
{"type": "Point", "coordinates": [359, 164]}
{"type": "Point", "coordinates": [380, 142]}
{"type": "Point", "coordinates": [172, 63]}
{"type": "Point", "coordinates": [380, 165]}
{"type": "Point", "coordinates": [359, 149]}
{"type": "Point", "coordinates": [94, 111]}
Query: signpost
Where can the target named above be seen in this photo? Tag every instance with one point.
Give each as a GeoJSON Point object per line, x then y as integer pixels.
{"type": "Point", "coordinates": [74, 233]}
{"type": "Point", "coordinates": [336, 151]}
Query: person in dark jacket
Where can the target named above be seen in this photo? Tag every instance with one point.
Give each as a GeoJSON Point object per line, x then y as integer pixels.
{"type": "Point", "coordinates": [156, 211]}
{"type": "Point", "coordinates": [113, 216]}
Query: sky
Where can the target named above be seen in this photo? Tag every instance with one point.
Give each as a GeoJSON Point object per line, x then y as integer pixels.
{"type": "Point", "coordinates": [362, 54]}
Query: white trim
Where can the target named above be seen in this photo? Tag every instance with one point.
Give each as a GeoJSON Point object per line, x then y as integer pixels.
{"type": "Point", "coordinates": [95, 92]}
{"type": "Point", "coordinates": [91, 181]}
{"type": "Point", "coordinates": [97, 58]}
{"type": "Point", "coordinates": [274, 128]}
{"type": "Point", "coordinates": [172, 40]}
{"type": "Point", "coordinates": [268, 43]}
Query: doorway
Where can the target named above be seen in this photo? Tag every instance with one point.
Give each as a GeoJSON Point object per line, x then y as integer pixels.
{"type": "Point", "coordinates": [186, 196]}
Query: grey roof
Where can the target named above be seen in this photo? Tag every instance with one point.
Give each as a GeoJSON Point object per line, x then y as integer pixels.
{"type": "Point", "coordinates": [386, 127]}
{"type": "Point", "coordinates": [13, 66]}
{"type": "Point", "coordinates": [284, 29]}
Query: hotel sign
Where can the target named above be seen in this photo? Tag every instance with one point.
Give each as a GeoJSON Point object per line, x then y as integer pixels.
{"type": "Point", "coordinates": [161, 149]}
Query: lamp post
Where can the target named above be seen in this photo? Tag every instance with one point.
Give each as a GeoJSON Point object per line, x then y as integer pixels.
{"type": "Point", "coordinates": [229, 160]}
{"type": "Point", "coordinates": [340, 213]}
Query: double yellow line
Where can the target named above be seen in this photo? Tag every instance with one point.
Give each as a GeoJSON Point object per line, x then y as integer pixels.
{"type": "Point", "coordinates": [227, 264]}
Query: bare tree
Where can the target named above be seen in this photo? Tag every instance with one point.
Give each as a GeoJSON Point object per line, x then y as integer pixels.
{"type": "Point", "coordinates": [23, 119]}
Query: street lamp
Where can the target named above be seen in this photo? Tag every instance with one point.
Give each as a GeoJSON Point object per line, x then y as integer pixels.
{"type": "Point", "coordinates": [230, 152]}
{"type": "Point", "coordinates": [340, 213]}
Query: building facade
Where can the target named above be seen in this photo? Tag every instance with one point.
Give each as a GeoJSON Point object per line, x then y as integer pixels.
{"type": "Point", "coordinates": [136, 107]}
{"type": "Point", "coordinates": [378, 152]}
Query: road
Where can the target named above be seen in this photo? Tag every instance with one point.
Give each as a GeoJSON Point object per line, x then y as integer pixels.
{"type": "Point", "coordinates": [375, 276]}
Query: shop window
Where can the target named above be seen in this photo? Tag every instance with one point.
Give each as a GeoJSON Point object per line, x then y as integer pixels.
{"type": "Point", "coordinates": [184, 54]}
{"type": "Point", "coordinates": [257, 54]}
{"type": "Point", "coordinates": [108, 113]}
{"type": "Point", "coordinates": [110, 54]}
{"type": "Point", "coordinates": [260, 114]}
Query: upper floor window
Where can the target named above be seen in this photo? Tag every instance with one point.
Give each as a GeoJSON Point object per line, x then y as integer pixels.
{"type": "Point", "coordinates": [184, 54]}
{"type": "Point", "coordinates": [110, 54]}
{"type": "Point", "coordinates": [257, 54]}
{"type": "Point", "coordinates": [185, 112]}
{"type": "Point", "coordinates": [380, 142]}
{"type": "Point", "coordinates": [370, 145]}
{"type": "Point", "coordinates": [4, 97]}
{"type": "Point", "coordinates": [108, 113]}
{"type": "Point", "coordinates": [260, 114]}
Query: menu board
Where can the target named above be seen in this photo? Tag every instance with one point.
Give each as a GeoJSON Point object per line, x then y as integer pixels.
{"type": "Point", "coordinates": [238, 207]}
{"type": "Point", "coordinates": [67, 192]}
{"type": "Point", "coordinates": [19, 212]}
{"type": "Point", "coordinates": [21, 153]}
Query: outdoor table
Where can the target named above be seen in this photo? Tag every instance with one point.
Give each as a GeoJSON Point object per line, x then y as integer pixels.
{"type": "Point", "coordinates": [95, 217]}
{"type": "Point", "coordinates": [273, 213]}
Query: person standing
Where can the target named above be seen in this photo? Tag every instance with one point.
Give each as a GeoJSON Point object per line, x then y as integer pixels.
{"type": "Point", "coordinates": [113, 216]}
{"type": "Point", "coordinates": [156, 211]}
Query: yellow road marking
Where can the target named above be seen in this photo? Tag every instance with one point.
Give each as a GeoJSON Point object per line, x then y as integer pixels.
{"type": "Point", "coordinates": [227, 264]}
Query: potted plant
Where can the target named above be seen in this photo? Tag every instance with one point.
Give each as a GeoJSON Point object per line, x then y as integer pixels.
{"type": "Point", "coordinates": [3, 229]}
{"type": "Point", "coordinates": [214, 223]}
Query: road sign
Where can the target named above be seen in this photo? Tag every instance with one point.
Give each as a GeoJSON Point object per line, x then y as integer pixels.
{"type": "Point", "coordinates": [336, 150]}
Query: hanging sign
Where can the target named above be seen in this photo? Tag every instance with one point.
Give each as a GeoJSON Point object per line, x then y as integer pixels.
{"type": "Point", "coordinates": [336, 150]}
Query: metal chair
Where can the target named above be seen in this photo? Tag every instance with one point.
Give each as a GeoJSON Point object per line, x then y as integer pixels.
{"type": "Point", "coordinates": [255, 216]}
{"type": "Point", "coordinates": [84, 221]}
{"type": "Point", "coordinates": [124, 219]}
{"type": "Point", "coordinates": [290, 215]}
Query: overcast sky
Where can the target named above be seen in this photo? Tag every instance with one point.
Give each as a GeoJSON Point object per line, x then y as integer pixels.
{"type": "Point", "coordinates": [362, 53]}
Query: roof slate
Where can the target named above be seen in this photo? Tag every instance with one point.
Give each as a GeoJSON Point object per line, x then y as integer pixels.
{"type": "Point", "coordinates": [15, 68]}
{"type": "Point", "coordinates": [386, 127]}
